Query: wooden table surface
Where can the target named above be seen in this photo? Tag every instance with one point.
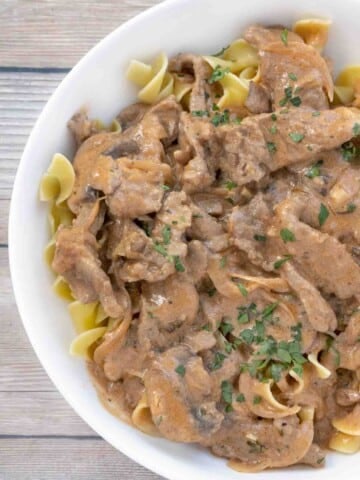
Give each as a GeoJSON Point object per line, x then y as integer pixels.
{"type": "Point", "coordinates": [41, 437]}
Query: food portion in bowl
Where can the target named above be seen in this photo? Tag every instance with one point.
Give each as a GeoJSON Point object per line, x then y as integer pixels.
{"type": "Point", "coordinates": [208, 244]}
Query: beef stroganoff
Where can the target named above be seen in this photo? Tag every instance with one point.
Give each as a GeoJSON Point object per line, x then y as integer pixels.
{"type": "Point", "coordinates": [207, 242]}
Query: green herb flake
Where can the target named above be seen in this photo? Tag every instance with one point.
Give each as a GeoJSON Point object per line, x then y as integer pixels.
{"type": "Point", "coordinates": [279, 263]}
{"type": "Point", "coordinates": [314, 170]}
{"type": "Point", "coordinates": [323, 214]}
{"type": "Point", "coordinates": [271, 147]}
{"type": "Point", "coordinates": [292, 76]}
{"type": "Point", "coordinates": [349, 151]}
{"type": "Point", "coordinates": [320, 460]}
{"type": "Point", "coordinates": [226, 391]}
{"type": "Point", "coordinates": [207, 327]}
{"type": "Point", "coordinates": [221, 118]}
{"type": "Point", "coordinates": [316, 113]}
{"type": "Point", "coordinates": [211, 291]}
{"type": "Point", "coordinates": [166, 234]}
{"type": "Point", "coordinates": [242, 289]}
{"type": "Point", "coordinates": [356, 129]}
{"type": "Point", "coordinates": [240, 398]}
{"type": "Point", "coordinates": [273, 117]}
{"type": "Point", "coordinates": [200, 113]}
{"type": "Point", "coordinates": [296, 137]}
{"type": "Point", "coordinates": [218, 361]}
{"type": "Point", "coordinates": [269, 310]}
{"type": "Point", "coordinates": [351, 207]}
{"type": "Point", "coordinates": [247, 336]}
{"type": "Point", "coordinates": [180, 370]}
{"type": "Point", "coordinates": [287, 235]}
{"type": "Point", "coordinates": [257, 399]}
{"type": "Point", "coordinates": [273, 129]}
{"type": "Point", "coordinates": [160, 249]}
{"type": "Point", "coordinates": [260, 238]}
{"type": "Point", "coordinates": [223, 262]}
{"type": "Point", "coordinates": [229, 185]}
{"type": "Point", "coordinates": [276, 370]}
{"type": "Point", "coordinates": [295, 101]}
{"type": "Point", "coordinates": [165, 187]}
{"type": "Point", "coordinates": [284, 36]}
{"type": "Point", "coordinates": [218, 74]}
{"type": "Point", "coordinates": [226, 327]}
{"type": "Point", "coordinates": [179, 267]}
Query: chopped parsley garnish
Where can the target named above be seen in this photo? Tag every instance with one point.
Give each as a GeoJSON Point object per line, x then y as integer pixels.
{"type": "Point", "coordinates": [255, 446]}
{"type": "Point", "coordinates": [240, 398]}
{"type": "Point", "coordinates": [323, 214]}
{"type": "Point", "coordinates": [356, 129]}
{"type": "Point", "coordinates": [245, 313]}
{"type": "Point", "coordinates": [226, 327]}
{"type": "Point", "coordinates": [165, 187]}
{"type": "Point", "coordinates": [218, 361]}
{"type": "Point", "coordinates": [200, 113]}
{"type": "Point", "coordinates": [273, 117]}
{"type": "Point", "coordinates": [242, 289]}
{"type": "Point", "coordinates": [180, 370]}
{"type": "Point", "coordinates": [229, 185]}
{"type": "Point", "coordinates": [226, 391]}
{"type": "Point", "coordinates": [257, 399]}
{"type": "Point", "coordinates": [220, 118]}
{"type": "Point", "coordinates": [330, 346]}
{"type": "Point", "coordinates": [271, 147]}
{"type": "Point", "coordinates": [295, 101]}
{"type": "Point", "coordinates": [160, 249]}
{"type": "Point", "coordinates": [215, 107]}
{"type": "Point", "coordinates": [218, 74]}
{"type": "Point", "coordinates": [316, 113]}
{"type": "Point", "coordinates": [287, 235]}
{"type": "Point", "coordinates": [284, 36]}
{"type": "Point", "coordinates": [166, 234]}
{"type": "Point", "coordinates": [296, 137]}
{"type": "Point", "coordinates": [279, 263]}
{"type": "Point", "coordinates": [314, 170]}
{"type": "Point", "coordinates": [350, 208]}
{"type": "Point", "coordinates": [320, 460]}
{"type": "Point", "coordinates": [349, 151]}
{"type": "Point", "coordinates": [223, 262]}
{"type": "Point", "coordinates": [260, 238]}
{"type": "Point", "coordinates": [179, 267]}
{"type": "Point", "coordinates": [273, 129]}
{"type": "Point", "coordinates": [269, 310]}
{"type": "Point", "coordinates": [292, 76]}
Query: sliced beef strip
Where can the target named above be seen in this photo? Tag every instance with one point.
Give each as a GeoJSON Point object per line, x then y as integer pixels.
{"type": "Point", "coordinates": [82, 127]}
{"type": "Point", "coordinates": [202, 92]}
{"type": "Point", "coordinates": [258, 100]}
{"type": "Point", "coordinates": [313, 82]}
{"type": "Point", "coordinates": [181, 401]}
{"type": "Point", "coordinates": [132, 115]}
{"type": "Point", "coordinates": [314, 251]}
{"type": "Point", "coordinates": [198, 153]}
{"type": "Point", "coordinates": [319, 312]}
{"type": "Point", "coordinates": [256, 443]}
{"type": "Point", "coordinates": [168, 312]}
{"type": "Point", "coordinates": [76, 259]}
{"type": "Point", "coordinates": [102, 161]}
{"type": "Point", "coordinates": [135, 257]}
{"type": "Point", "coordinates": [251, 149]}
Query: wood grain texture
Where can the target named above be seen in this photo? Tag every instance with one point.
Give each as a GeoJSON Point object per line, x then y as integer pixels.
{"type": "Point", "coordinates": [66, 459]}
{"type": "Point", "coordinates": [41, 437]}
{"type": "Point", "coordinates": [57, 33]}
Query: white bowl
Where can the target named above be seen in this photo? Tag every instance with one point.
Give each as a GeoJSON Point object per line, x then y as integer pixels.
{"type": "Point", "coordinates": [98, 82]}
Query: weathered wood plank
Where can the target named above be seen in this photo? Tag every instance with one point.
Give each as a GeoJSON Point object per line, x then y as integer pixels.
{"type": "Point", "coordinates": [22, 97]}
{"type": "Point", "coordinates": [65, 458]}
{"type": "Point", "coordinates": [20, 370]}
{"type": "Point", "coordinates": [57, 33]}
{"type": "Point", "coordinates": [38, 414]}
